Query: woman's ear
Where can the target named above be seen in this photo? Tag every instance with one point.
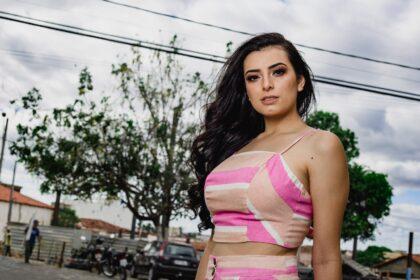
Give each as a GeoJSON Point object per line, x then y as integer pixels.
{"type": "Point", "coordinates": [301, 83]}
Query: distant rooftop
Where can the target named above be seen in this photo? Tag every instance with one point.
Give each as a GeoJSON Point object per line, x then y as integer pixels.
{"type": "Point", "coordinates": [97, 225]}
{"type": "Point", "coordinates": [20, 198]}
{"type": "Point", "coordinates": [416, 258]}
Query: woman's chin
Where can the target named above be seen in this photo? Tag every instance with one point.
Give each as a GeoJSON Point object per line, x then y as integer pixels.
{"type": "Point", "coordinates": [272, 111]}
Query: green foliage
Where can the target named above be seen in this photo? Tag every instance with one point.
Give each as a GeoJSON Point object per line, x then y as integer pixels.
{"type": "Point", "coordinates": [67, 218]}
{"type": "Point", "coordinates": [149, 228]}
{"type": "Point", "coordinates": [43, 152]}
{"type": "Point", "coordinates": [372, 255]}
{"type": "Point", "coordinates": [85, 81]}
{"type": "Point", "coordinates": [31, 101]}
{"type": "Point", "coordinates": [370, 193]}
{"type": "Point", "coordinates": [133, 148]}
{"type": "Point", "coordinates": [330, 121]}
{"type": "Point", "coordinates": [229, 47]}
{"type": "Point", "coordinates": [369, 201]}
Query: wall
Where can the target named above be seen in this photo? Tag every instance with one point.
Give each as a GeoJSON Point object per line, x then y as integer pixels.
{"type": "Point", "coordinates": [112, 212]}
{"type": "Point", "coordinates": [22, 214]}
{"type": "Point", "coordinates": [53, 239]}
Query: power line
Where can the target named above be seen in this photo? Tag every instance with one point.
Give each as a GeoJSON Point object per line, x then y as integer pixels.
{"type": "Point", "coordinates": [365, 101]}
{"type": "Point", "coordinates": [177, 17]}
{"type": "Point", "coordinates": [331, 82]}
{"type": "Point", "coordinates": [31, 56]}
{"type": "Point", "coordinates": [195, 38]}
{"type": "Point", "coordinates": [114, 38]}
{"type": "Point", "coordinates": [356, 69]}
{"type": "Point", "coordinates": [367, 85]}
{"type": "Point", "coordinates": [57, 58]}
{"type": "Point", "coordinates": [253, 34]}
{"type": "Point", "coordinates": [138, 25]}
{"type": "Point", "coordinates": [185, 52]}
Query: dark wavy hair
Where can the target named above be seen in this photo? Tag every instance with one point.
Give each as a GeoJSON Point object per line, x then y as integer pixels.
{"type": "Point", "coordinates": [230, 120]}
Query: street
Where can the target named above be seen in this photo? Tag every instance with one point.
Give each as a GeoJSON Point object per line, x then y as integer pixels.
{"type": "Point", "coordinates": [16, 269]}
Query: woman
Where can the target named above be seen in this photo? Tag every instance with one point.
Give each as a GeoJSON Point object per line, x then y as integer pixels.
{"type": "Point", "coordinates": [264, 176]}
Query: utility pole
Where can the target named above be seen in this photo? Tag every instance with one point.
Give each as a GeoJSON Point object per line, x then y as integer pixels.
{"type": "Point", "coordinates": [133, 227]}
{"type": "Point", "coordinates": [353, 255]}
{"type": "Point", "coordinates": [3, 143]}
{"type": "Point", "coordinates": [409, 256]}
{"type": "Point", "coordinates": [12, 189]}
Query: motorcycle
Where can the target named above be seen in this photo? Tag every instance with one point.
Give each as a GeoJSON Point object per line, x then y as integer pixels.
{"type": "Point", "coordinates": [95, 255]}
{"type": "Point", "coordinates": [113, 263]}
{"type": "Point", "coordinates": [136, 261]}
{"type": "Point", "coordinates": [87, 257]}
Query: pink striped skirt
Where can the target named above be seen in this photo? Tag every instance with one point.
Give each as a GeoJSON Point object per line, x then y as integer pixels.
{"type": "Point", "coordinates": [261, 267]}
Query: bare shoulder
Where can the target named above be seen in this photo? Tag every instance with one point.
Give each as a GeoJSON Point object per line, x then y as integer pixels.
{"type": "Point", "coordinates": [326, 143]}
{"type": "Point", "coordinates": [327, 166]}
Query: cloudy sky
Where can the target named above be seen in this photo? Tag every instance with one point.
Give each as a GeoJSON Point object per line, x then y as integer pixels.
{"type": "Point", "coordinates": [386, 127]}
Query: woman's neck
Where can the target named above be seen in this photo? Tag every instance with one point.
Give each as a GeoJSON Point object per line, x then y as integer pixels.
{"type": "Point", "coordinates": [286, 124]}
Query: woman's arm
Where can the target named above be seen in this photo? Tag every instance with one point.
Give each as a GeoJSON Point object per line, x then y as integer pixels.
{"type": "Point", "coordinates": [329, 187]}
{"type": "Point", "coordinates": [202, 268]}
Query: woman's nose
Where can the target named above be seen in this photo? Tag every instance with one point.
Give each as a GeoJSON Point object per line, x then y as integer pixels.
{"type": "Point", "coordinates": [267, 83]}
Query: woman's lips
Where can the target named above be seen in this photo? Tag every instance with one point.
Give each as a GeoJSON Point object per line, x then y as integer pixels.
{"type": "Point", "coordinates": [269, 100]}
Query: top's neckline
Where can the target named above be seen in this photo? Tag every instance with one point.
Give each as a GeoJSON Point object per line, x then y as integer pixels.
{"type": "Point", "coordinates": [305, 133]}
{"type": "Point", "coordinates": [256, 151]}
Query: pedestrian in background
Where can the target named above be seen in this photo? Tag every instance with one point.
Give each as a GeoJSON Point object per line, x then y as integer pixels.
{"type": "Point", "coordinates": [32, 233]}
{"type": "Point", "coordinates": [7, 243]}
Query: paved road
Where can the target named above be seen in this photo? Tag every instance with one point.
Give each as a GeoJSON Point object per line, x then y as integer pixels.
{"type": "Point", "coordinates": [16, 269]}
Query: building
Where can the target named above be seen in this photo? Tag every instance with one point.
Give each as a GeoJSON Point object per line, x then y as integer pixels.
{"type": "Point", "coordinates": [100, 227]}
{"type": "Point", "coordinates": [24, 207]}
{"type": "Point", "coordinates": [394, 254]}
{"type": "Point", "coordinates": [351, 269]}
{"type": "Point", "coordinates": [112, 212]}
{"type": "Point", "coordinates": [397, 266]}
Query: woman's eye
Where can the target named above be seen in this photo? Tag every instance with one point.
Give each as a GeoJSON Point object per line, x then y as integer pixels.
{"type": "Point", "coordinates": [251, 78]}
{"type": "Point", "coordinates": [279, 71]}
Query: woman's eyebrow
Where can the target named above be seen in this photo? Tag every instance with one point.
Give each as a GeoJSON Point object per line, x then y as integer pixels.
{"type": "Point", "coordinates": [269, 67]}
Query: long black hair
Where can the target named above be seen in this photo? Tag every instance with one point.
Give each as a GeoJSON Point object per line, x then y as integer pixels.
{"type": "Point", "coordinates": [230, 120]}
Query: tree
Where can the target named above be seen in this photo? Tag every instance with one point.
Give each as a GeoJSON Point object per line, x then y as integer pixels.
{"type": "Point", "coordinates": [369, 201]}
{"type": "Point", "coordinates": [43, 152]}
{"type": "Point", "coordinates": [169, 99]}
{"type": "Point", "coordinates": [136, 151]}
{"type": "Point", "coordinates": [67, 217]}
{"type": "Point", "coordinates": [370, 193]}
{"type": "Point", "coordinates": [372, 255]}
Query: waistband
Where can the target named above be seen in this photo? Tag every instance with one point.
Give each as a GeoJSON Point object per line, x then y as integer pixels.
{"type": "Point", "coordinates": [256, 266]}
{"type": "Point", "coordinates": [254, 261]}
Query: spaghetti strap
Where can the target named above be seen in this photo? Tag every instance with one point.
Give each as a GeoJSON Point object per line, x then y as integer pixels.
{"type": "Point", "coordinates": [308, 132]}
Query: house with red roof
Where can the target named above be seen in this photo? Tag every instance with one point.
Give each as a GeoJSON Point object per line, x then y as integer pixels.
{"type": "Point", "coordinates": [397, 266]}
{"type": "Point", "coordinates": [24, 207]}
{"type": "Point", "coordinates": [100, 226]}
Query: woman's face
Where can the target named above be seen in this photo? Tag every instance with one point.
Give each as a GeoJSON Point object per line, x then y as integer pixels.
{"type": "Point", "coordinates": [268, 72]}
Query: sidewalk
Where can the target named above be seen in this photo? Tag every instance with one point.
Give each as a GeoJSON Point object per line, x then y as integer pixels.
{"type": "Point", "coordinates": [16, 269]}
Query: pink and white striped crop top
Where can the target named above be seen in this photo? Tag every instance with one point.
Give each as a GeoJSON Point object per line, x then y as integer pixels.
{"type": "Point", "coordinates": [254, 196]}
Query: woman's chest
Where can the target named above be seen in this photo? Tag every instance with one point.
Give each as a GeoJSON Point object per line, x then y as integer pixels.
{"type": "Point", "coordinates": [254, 180]}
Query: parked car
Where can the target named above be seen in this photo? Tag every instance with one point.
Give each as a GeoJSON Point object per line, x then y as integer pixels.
{"type": "Point", "coordinates": [169, 260]}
